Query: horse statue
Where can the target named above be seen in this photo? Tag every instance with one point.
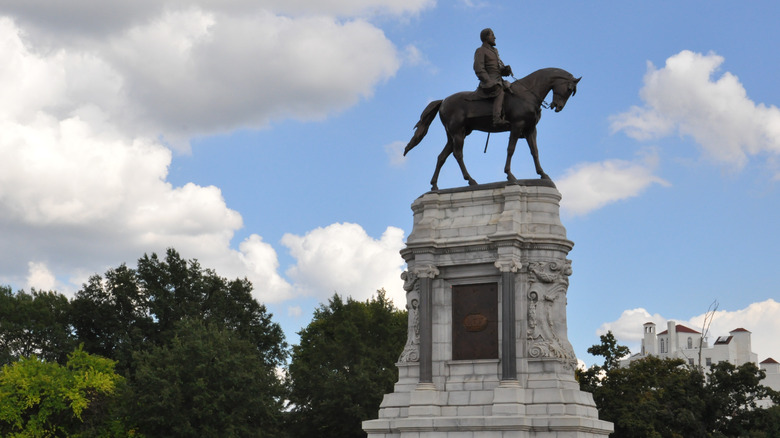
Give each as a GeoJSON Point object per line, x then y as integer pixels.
{"type": "Point", "coordinates": [464, 112]}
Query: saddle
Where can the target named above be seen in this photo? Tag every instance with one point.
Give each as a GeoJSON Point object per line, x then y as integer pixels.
{"type": "Point", "coordinates": [480, 103]}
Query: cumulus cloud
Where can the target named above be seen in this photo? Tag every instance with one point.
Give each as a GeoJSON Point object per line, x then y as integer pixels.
{"type": "Point", "coordinates": [40, 277]}
{"type": "Point", "coordinates": [685, 97]}
{"type": "Point", "coordinates": [176, 69]}
{"type": "Point", "coordinates": [762, 319]}
{"type": "Point", "coordinates": [590, 186]}
{"type": "Point", "coordinates": [95, 93]}
{"type": "Point", "coordinates": [344, 259]}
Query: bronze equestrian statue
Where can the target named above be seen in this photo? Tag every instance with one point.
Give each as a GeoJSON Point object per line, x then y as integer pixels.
{"type": "Point", "coordinates": [464, 112]}
{"type": "Point", "coordinates": [490, 70]}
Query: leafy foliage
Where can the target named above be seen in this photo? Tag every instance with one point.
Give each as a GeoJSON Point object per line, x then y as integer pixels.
{"type": "Point", "coordinates": [655, 397]}
{"type": "Point", "coordinates": [343, 366]}
{"type": "Point", "coordinates": [111, 315]}
{"type": "Point", "coordinates": [134, 310]}
{"type": "Point", "coordinates": [35, 323]}
{"type": "Point", "coordinates": [41, 399]}
{"type": "Point", "coordinates": [733, 396]}
{"type": "Point", "coordinates": [609, 349]}
{"type": "Point", "coordinates": [206, 382]}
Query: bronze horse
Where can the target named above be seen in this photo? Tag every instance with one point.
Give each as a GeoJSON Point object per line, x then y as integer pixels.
{"type": "Point", "coordinates": [465, 112]}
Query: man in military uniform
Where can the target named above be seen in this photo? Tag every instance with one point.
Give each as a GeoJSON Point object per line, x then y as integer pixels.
{"type": "Point", "coordinates": [490, 71]}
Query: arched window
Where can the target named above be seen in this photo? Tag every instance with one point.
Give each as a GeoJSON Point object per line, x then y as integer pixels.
{"type": "Point", "coordinates": [690, 342]}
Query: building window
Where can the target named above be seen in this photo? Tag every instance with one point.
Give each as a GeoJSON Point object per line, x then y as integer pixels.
{"type": "Point", "coordinates": [690, 361]}
{"type": "Point", "coordinates": [690, 342]}
{"type": "Point", "coordinates": [708, 361]}
{"type": "Point", "coordinates": [662, 346]}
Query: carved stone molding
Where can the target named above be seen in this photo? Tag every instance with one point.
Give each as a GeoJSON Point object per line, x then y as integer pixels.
{"type": "Point", "coordinates": [411, 351]}
{"type": "Point", "coordinates": [507, 265]}
{"type": "Point", "coordinates": [547, 337]}
{"type": "Point", "coordinates": [551, 272]}
{"type": "Point", "coordinates": [426, 271]}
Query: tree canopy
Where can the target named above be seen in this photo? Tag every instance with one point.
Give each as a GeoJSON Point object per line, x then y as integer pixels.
{"type": "Point", "coordinates": [198, 356]}
{"type": "Point", "coordinates": [35, 323]}
{"type": "Point", "coordinates": [344, 364]}
{"type": "Point", "coordinates": [44, 399]}
{"type": "Point", "coordinates": [655, 397]}
{"type": "Point", "coordinates": [132, 310]}
{"type": "Point", "coordinates": [206, 382]}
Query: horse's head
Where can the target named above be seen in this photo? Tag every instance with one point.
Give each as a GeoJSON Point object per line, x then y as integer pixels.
{"type": "Point", "coordinates": [562, 89]}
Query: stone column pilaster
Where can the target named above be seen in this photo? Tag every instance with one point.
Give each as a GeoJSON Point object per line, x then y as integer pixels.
{"type": "Point", "coordinates": [425, 275]}
{"type": "Point", "coordinates": [508, 269]}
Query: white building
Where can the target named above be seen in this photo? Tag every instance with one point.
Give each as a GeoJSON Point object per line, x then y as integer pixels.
{"type": "Point", "coordinates": [681, 342]}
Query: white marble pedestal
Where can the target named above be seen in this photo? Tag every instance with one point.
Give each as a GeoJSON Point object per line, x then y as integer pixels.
{"type": "Point", "coordinates": [487, 353]}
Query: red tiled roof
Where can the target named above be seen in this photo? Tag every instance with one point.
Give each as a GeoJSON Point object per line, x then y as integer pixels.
{"type": "Point", "coordinates": [739, 330]}
{"type": "Point", "coordinates": [684, 329]}
{"type": "Point", "coordinates": [769, 360]}
{"type": "Point", "coordinates": [680, 329]}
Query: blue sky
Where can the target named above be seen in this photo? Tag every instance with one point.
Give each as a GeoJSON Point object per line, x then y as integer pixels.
{"type": "Point", "coordinates": [265, 138]}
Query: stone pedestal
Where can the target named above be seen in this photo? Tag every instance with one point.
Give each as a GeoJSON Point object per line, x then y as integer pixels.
{"type": "Point", "coordinates": [487, 353]}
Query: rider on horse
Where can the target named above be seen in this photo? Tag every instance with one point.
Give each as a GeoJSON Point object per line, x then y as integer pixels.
{"type": "Point", "coordinates": [490, 71]}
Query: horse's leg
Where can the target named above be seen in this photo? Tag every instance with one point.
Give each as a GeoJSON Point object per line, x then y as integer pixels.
{"type": "Point", "coordinates": [531, 138]}
{"type": "Point", "coordinates": [457, 150]}
{"type": "Point", "coordinates": [440, 162]}
{"type": "Point", "coordinates": [510, 150]}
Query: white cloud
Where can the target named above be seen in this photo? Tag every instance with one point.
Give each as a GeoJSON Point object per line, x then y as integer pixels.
{"type": "Point", "coordinates": [628, 327]}
{"type": "Point", "coordinates": [40, 277]}
{"type": "Point", "coordinates": [395, 152]}
{"type": "Point", "coordinates": [95, 18]}
{"type": "Point", "coordinates": [349, 7]}
{"type": "Point", "coordinates": [590, 186]}
{"type": "Point", "coordinates": [762, 319]}
{"type": "Point", "coordinates": [294, 311]}
{"type": "Point", "coordinates": [185, 69]}
{"type": "Point", "coordinates": [344, 259]}
{"type": "Point", "coordinates": [684, 97]}
{"type": "Point", "coordinates": [89, 88]}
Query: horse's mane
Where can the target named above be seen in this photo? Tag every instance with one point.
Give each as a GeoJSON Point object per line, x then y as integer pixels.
{"type": "Point", "coordinates": [544, 73]}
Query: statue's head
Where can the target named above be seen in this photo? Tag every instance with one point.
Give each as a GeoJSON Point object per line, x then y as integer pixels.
{"type": "Point", "coordinates": [485, 34]}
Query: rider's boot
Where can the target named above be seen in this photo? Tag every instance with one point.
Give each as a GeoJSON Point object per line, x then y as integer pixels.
{"type": "Point", "coordinates": [500, 122]}
{"type": "Point", "coordinates": [498, 119]}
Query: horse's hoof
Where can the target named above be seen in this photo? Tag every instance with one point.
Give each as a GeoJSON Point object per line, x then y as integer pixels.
{"type": "Point", "coordinates": [511, 178]}
{"type": "Point", "coordinates": [545, 176]}
{"type": "Point", "coordinates": [434, 188]}
{"type": "Point", "coordinates": [472, 182]}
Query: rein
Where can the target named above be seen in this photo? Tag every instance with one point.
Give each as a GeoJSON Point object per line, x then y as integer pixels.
{"type": "Point", "coordinates": [543, 103]}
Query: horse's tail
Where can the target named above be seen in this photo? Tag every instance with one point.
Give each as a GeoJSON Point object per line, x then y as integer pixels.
{"type": "Point", "coordinates": [421, 128]}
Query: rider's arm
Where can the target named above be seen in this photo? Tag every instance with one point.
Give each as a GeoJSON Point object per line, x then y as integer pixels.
{"type": "Point", "coordinates": [479, 67]}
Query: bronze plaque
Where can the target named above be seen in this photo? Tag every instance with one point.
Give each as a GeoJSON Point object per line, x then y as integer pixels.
{"type": "Point", "coordinates": [475, 321]}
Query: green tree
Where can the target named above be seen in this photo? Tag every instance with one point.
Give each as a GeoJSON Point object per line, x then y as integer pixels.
{"type": "Point", "coordinates": [612, 352]}
{"type": "Point", "coordinates": [111, 315]}
{"type": "Point", "coordinates": [35, 323]}
{"type": "Point", "coordinates": [132, 310]}
{"type": "Point", "coordinates": [653, 398]}
{"type": "Point", "coordinates": [343, 366]}
{"type": "Point", "coordinates": [206, 382]}
{"type": "Point", "coordinates": [733, 393]}
{"type": "Point", "coordinates": [44, 399]}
